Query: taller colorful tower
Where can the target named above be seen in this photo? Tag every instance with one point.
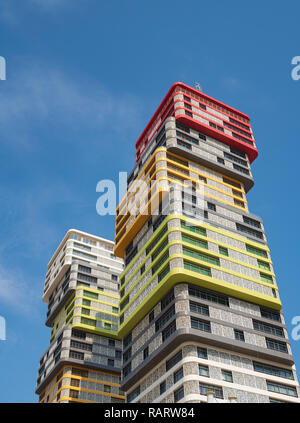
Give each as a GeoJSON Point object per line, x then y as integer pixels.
{"type": "Point", "coordinates": [199, 309]}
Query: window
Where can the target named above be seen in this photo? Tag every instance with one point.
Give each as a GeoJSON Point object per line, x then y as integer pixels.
{"type": "Point", "coordinates": [81, 345]}
{"type": "Point", "coordinates": [203, 370]}
{"type": "Point", "coordinates": [87, 278]}
{"type": "Point", "coordinates": [167, 299]}
{"type": "Point", "coordinates": [239, 335]}
{"type": "Point", "coordinates": [118, 354]}
{"type": "Point", "coordinates": [270, 314]}
{"type": "Point", "coordinates": [81, 254]}
{"type": "Point", "coordinates": [83, 247]}
{"type": "Point", "coordinates": [127, 370]}
{"type": "Point", "coordinates": [107, 325]}
{"type": "Point", "coordinates": [79, 372]}
{"type": "Point", "coordinates": [230, 182]}
{"type": "Point", "coordinates": [146, 353]}
{"type": "Point", "coordinates": [85, 311]}
{"type": "Point", "coordinates": [127, 355]}
{"type": "Point", "coordinates": [266, 278]}
{"type": "Point", "coordinates": [200, 324]}
{"type": "Point", "coordinates": [202, 136]}
{"type": "Point", "coordinates": [182, 127]}
{"type": "Point", "coordinates": [169, 330]}
{"type": "Point", "coordinates": [151, 316]}
{"type": "Point", "coordinates": [196, 268]}
{"type": "Point", "coordinates": [249, 231]}
{"type": "Point", "coordinates": [223, 251]}
{"type": "Point", "coordinates": [207, 295]}
{"type": "Point", "coordinates": [84, 269]}
{"type": "Point", "coordinates": [264, 327]}
{"type": "Point", "coordinates": [216, 389]}
{"type": "Point", "coordinates": [115, 310]}
{"type": "Point", "coordinates": [179, 394]}
{"type": "Point", "coordinates": [241, 169]}
{"type": "Point", "coordinates": [211, 206]}
{"type": "Point", "coordinates": [173, 360]}
{"type": "Point", "coordinates": [134, 394]}
{"type": "Point", "coordinates": [127, 340]}
{"type": "Point", "coordinates": [76, 355]}
{"type": "Point", "coordinates": [237, 152]}
{"type": "Point", "coordinates": [86, 302]}
{"type": "Point", "coordinates": [163, 273]}
{"type": "Point", "coordinates": [276, 345]}
{"type": "Point", "coordinates": [162, 387]}
{"type": "Point", "coordinates": [256, 251]}
{"type": "Point", "coordinates": [178, 375]}
{"type": "Point", "coordinates": [273, 400]}
{"type": "Point", "coordinates": [159, 249]}
{"type": "Point", "coordinates": [75, 382]}
{"type": "Point", "coordinates": [238, 203]}
{"type": "Point", "coordinates": [235, 159]}
{"type": "Point", "coordinates": [199, 308]}
{"type": "Point", "coordinates": [89, 322]}
{"type": "Point", "coordinates": [263, 265]}
{"type": "Point", "coordinates": [196, 229]}
{"type": "Point", "coordinates": [184, 144]}
{"type": "Point", "coordinates": [272, 370]}
{"type": "Point", "coordinates": [252, 222]}
{"type": "Point", "coordinates": [90, 294]}
{"type": "Point", "coordinates": [74, 394]}
{"type": "Point", "coordinates": [110, 362]}
{"type": "Point", "coordinates": [227, 376]}
{"type": "Point", "coordinates": [78, 334]}
{"type": "Point", "coordinates": [160, 262]}
{"type": "Point", "coordinates": [220, 160]}
{"type": "Point", "coordinates": [114, 277]}
{"type": "Point", "coordinates": [164, 318]}
{"type": "Point", "coordinates": [142, 269]}
{"type": "Point", "coordinates": [282, 389]}
{"type": "Point", "coordinates": [202, 352]}
{"type": "Point", "coordinates": [194, 241]}
{"type": "Point", "coordinates": [107, 388]}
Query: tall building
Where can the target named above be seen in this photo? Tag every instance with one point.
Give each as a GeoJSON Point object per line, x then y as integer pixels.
{"type": "Point", "coordinates": [83, 360]}
{"type": "Point", "coordinates": [199, 308]}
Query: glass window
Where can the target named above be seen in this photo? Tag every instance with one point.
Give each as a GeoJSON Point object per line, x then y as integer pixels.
{"type": "Point", "coordinates": [203, 370]}
{"type": "Point", "coordinates": [179, 394]}
{"type": "Point", "coordinates": [239, 335]}
{"type": "Point", "coordinates": [178, 375]}
{"type": "Point", "coordinates": [227, 376]}
{"type": "Point", "coordinates": [202, 352]}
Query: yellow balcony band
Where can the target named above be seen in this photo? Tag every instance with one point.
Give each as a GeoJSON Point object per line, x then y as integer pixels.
{"type": "Point", "coordinates": [69, 375]}
{"type": "Point", "coordinates": [121, 222]}
{"type": "Point", "coordinates": [203, 225]}
{"type": "Point", "coordinates": [191, 259]}
{"type": "Point", "coordinates": [168, 153]}
{"type": "Point", "coordinates": [202, 250]}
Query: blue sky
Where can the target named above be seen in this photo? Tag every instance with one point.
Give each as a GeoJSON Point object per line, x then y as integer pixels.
{"type": "Point", "coordinates": [83, 79]}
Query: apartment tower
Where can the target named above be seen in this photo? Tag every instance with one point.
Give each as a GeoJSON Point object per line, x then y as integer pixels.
{"type": "Point", "coordinates": [199, 303]}
{"type": "Point", "coordinates": [83, 360]}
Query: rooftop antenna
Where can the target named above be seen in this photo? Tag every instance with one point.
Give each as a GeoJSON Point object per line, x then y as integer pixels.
{"type": "Point", "coordinates": [198, 86]}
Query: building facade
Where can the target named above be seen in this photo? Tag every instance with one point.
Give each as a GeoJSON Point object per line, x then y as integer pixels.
{"type": "Point", "coordinates": [83, 360]}
{"type": "Point", "coordinates": [199, 304]}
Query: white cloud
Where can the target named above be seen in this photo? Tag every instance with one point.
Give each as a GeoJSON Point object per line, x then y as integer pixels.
{"type": "Point", "coordinates": [16, 293]}
{"type": "Point", "coordinates": [38, 95]}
